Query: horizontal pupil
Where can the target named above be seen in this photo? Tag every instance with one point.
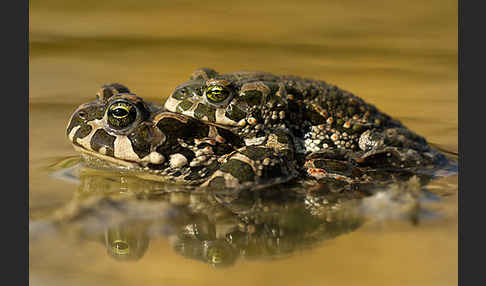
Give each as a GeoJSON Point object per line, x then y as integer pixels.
{"type": "Point", "coordinates": [218, 96]}
{"type": "Point", "coordinates": [121, 246]}
{"type": "Point", "coordinates": [120, 112]}
{"type": "Point", "coordinates": [218, 92]}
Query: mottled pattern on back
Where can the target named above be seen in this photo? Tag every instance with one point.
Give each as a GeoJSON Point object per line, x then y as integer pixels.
{"type": "Point", "coordinates": [251, 130]}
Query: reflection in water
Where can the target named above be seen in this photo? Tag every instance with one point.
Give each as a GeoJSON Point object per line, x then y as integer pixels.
{"type": "Point", "coordinates": [263, 233]}
{"type": "Point", "coordinates": [126, 241]}
{"type": "Point", "coordinates": [125, 212]}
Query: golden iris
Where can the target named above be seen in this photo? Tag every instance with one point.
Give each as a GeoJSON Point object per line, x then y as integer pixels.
{"type": "Point", "coordinates": [215, 255]}
{"type": "Point", "coordinates": [121, 115]}
{"type": "Point", "coordinates": [217, 93]}
{"type": "Point", "coordinates": [120, 247]}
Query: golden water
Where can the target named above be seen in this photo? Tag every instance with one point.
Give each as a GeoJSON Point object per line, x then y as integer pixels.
{"type": "Point", "coordinates": [399, 55]}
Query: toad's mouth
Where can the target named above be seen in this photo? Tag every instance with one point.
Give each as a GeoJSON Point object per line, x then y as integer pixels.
{"type": "Point", "coordinates": [97, 160]}
{"type": "Point", "coordinates": [122, 157]}
{"type": "Point", "coordinates": [185, 117]}
{"type": "Point", "coordinates": [112, 161]}
{"type": "Point", "coordinates": [199, 111]}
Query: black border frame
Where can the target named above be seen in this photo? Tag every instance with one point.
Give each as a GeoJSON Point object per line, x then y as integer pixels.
{"type": "Point", "coordinates": [471, 63]}
{"type": "Point", "coordinates": [15, 82]}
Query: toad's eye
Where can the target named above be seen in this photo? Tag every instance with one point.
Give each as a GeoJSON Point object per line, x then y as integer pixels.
{"type": "Point", "coordinates": [215, 255]}
{"type": "Point", "coordinates": [217, 94]}
{"type": "Point", "coordinates": [121, 115]}
{"type": "Point", "coordinates": [120, 247]}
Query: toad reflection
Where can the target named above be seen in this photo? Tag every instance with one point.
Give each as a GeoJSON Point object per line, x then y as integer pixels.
{"type": "Point", "coordinates": [125, 212]}
{"type": "Point", "coordinates": [221, 240]}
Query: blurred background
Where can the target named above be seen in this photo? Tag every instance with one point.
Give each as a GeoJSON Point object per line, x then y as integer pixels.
{"type": "Point", "coordinates": [399, 55]}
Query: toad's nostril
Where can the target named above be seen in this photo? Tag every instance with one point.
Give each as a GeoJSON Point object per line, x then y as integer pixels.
{"type": "Point", "coordinates": [82, 114]}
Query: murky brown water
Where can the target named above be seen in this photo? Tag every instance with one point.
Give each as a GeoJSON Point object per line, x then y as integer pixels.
{"type": "Point", "coordinates": [399, 55]}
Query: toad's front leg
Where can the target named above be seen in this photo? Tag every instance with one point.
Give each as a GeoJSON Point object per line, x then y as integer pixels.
{"type": "Point", "coordinates": [268, 161]}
